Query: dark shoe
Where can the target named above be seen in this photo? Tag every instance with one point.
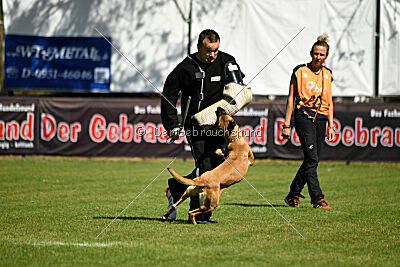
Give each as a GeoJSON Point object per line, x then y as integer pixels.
{"type": "Point", "coordinates": [205, 217]}
{"type": "Point", "coordinates": [195, 204]}
{"type": "Point", "coordinates": [202, 222]}
{"type": "Point", "coordinates": [170, 203]}
{"type": "Point", "coordinates": [293, 201]}
{"type": "Point", "coordinates": [321, 204]}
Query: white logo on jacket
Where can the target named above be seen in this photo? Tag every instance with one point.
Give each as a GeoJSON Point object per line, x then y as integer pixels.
{"type": "Point", "coordinates": [313, 88]}
{"type": "Point", "coordinates": [215, 78]}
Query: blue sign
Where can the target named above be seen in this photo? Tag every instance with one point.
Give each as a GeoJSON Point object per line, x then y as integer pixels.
{"type": "Point", "coordinates": [57, 63]}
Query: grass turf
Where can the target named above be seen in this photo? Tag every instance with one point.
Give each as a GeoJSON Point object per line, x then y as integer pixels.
{"type": "Point", "coordinates": [53, 208]}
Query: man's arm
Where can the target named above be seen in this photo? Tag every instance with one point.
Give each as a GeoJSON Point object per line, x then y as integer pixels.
{"type": "Point", "coordinates": [169, 114]}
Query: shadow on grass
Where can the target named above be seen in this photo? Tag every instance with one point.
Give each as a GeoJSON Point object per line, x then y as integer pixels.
{"type": "Point", "coordinates": [255, 205]}
{"type": "Point", "coordinates": [185, 221]}
{"type": "Point", "coordinates": [145, 219]}
{"type": "Point", "coordinates": [127, 218]}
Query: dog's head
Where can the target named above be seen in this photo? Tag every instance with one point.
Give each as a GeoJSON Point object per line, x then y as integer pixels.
{"type": "Point", "coordinates": [226, 123]}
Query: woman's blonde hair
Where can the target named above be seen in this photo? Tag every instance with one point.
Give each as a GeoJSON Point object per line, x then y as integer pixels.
{"type": "Point", "coordinates": [322, 40]}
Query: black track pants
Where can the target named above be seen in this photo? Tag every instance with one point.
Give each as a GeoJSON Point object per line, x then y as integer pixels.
{"type": "Point", "coordinates": [312, 136]}
{"type": "Point", "coordinates": [203, 146]}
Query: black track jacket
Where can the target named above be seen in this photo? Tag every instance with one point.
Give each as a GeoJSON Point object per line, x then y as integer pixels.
{"type": "Point", "coordinates": [186, 79]}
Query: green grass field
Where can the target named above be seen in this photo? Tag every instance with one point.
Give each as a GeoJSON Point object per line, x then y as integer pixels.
{"type": "Point", "coordinates": [53, 208]}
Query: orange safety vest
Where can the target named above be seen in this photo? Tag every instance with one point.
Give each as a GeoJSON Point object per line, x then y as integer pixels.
{"type": "Point", "coordinates": [310, 86]}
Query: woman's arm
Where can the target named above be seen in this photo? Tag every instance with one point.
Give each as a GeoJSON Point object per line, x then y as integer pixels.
{"type": "Point", "coordinates": [331, 131]}
{"type": "Point", "coordinates": [289, 109]}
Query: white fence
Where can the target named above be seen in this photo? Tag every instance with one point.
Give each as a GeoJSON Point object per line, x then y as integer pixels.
{"type": "Point", "coordinates": [268, 35]}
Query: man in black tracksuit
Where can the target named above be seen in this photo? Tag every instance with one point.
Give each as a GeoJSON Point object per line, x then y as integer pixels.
{"type": "Point", "coordinates": [200, 76]}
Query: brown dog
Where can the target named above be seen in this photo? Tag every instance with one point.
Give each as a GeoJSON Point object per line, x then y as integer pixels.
{"type": "Point", "coordinates": [211, 183]}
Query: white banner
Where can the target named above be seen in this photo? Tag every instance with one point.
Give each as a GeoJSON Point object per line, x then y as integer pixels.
{"type": "Point", "coordinates": [389, 53]}
{"type": "Point", "coordinates": [151, 34]}
{"type": "Point", "coordinates": [351, 26]}
{"type": "Point", "coordinates": [268, 38]}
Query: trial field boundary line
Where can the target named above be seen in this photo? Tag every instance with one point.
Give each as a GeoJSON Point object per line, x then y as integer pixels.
{"type": "Point", "coordinates": [74, 244]}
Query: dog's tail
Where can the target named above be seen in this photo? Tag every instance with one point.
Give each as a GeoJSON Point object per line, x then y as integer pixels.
{"type": "Point", "coordinates": [181, 179]}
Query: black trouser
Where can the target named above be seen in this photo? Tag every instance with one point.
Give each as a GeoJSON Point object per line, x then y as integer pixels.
{"type": "Point", "coordinates": [203, 145]}
{"type": "Point", "coordinates": [312, 137]}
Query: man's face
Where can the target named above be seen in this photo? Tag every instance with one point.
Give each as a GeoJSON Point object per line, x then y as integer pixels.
{"type": "Point", "coordinates": [207, 51]}
{"type": "Point", "coordinates": [318, 56]}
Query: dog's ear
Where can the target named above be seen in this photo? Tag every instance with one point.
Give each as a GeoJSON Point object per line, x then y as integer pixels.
{"type": "Point", "coordinates": [220, 111]}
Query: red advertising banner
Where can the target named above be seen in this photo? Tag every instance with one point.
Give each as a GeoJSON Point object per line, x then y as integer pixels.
{"type": "Point", "coordinates": [131, 127]}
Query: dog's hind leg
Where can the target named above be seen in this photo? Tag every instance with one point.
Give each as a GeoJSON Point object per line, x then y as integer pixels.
{"type": "Point", "coordinates": [190, 191]}
{"type": "Point", "coordinates": [173, 207]}
{"type": "Point", "coordinates": [194, 213]}
{"type": "Point", "coordinates": [210, 203]}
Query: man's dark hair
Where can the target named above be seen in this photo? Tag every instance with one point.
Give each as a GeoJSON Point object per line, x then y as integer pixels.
{"type": "Point", "coordinates": [209, 34]}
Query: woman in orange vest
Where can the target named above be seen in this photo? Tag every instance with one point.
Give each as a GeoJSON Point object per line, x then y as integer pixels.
{"type": "Point", "coordinates": [310, 92]}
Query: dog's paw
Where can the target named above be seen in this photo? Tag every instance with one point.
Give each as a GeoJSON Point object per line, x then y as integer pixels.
{"type": "Point", "coordinates": [219, 152]}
